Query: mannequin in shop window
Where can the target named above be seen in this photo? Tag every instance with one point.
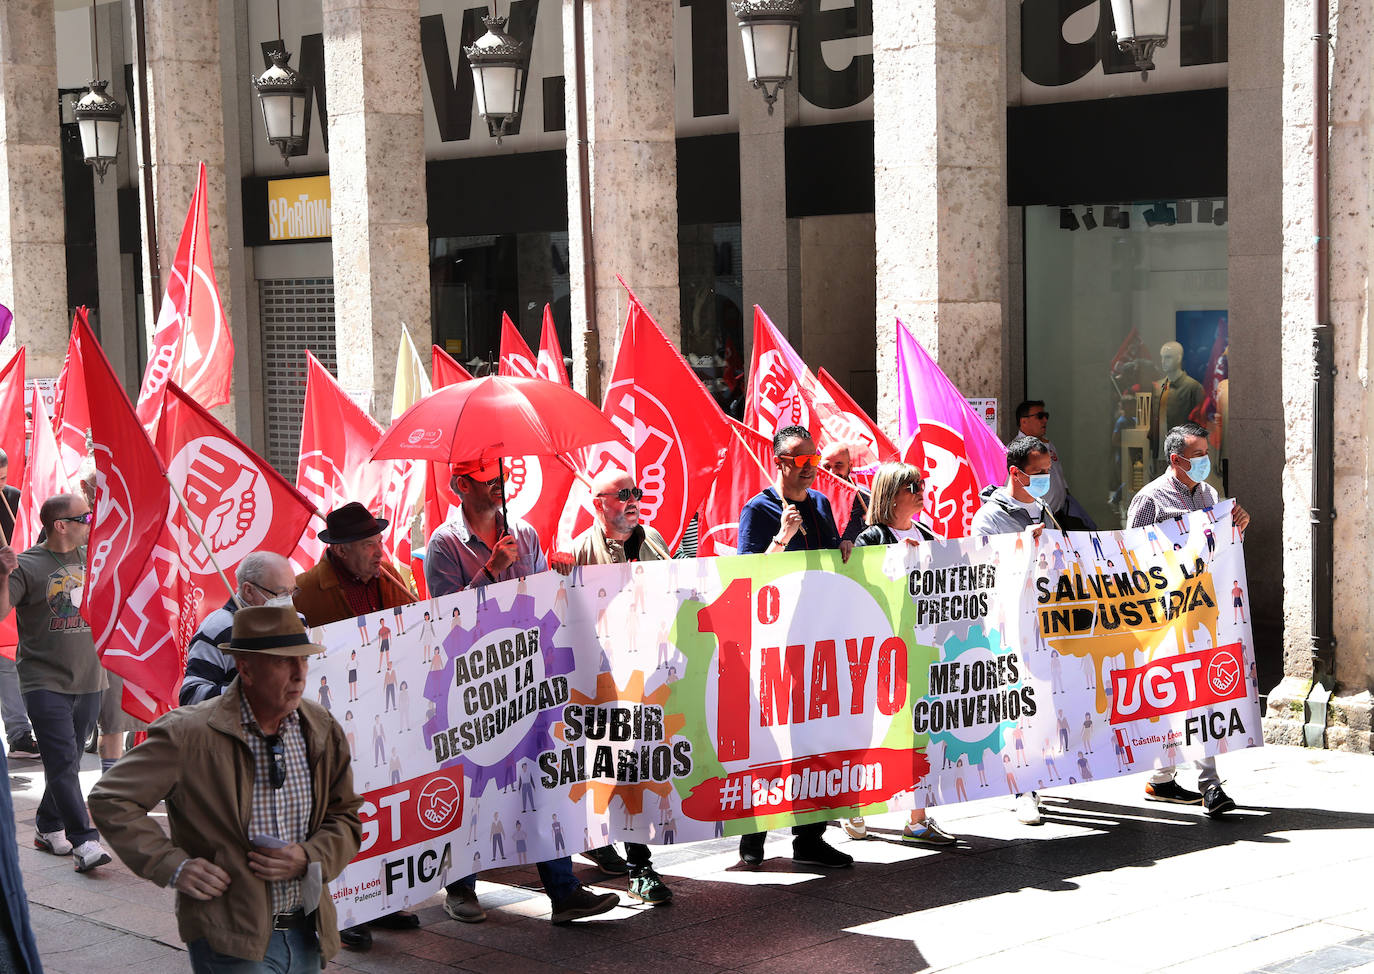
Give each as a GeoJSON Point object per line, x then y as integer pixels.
{"type": "Point", "coordinates": [1176, 395]}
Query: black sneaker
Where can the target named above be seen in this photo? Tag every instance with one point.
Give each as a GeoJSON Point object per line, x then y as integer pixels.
{"type": "Point", "coordinates": [1171, 791]}
{"type": "Point", "coordinates": [608, 860]}
{"type": "Point", "coordinates": [1216, 802]}
{"type": "Point", "coordinates": [24, 746]}
{"type": "Point", "coordinates": [647, 887]}
{"type": "Point", "coordinates": [751, 848]}
{"type": "Point", "coordinates": [356, 938]}
{"type": "Point", "coordinates": [818, 852]}
{"type": "Point", "coordinates": [583, 903]}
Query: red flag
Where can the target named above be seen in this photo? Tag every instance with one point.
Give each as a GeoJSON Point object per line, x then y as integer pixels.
{"type": "Point", "coordinates": [192, 345]}
{"type": "Point", "coordinates": [337, 437]}
{"type": "Point", "coordinates": [43, 477]}
{"type": "Point", "coordinates": [239, 503]}
{"type": "Point", "coordinates": [550, 363]}
{"type": "Point", "coordinates": [679, 433]}
{"type": "Point", "coordinates": [784, 392]}
{"type": "Point", "coordinates": [13, 421]}
{"type": "Point", "coordinates": [446, 368]}
{"type": "Point", "coordinates": [137, 593]}
{"type": "Point", "coordinates": [887, 450]}
{"type": "Point", "coordinates": [71, 417]}
{"type": "Point", "coordinates": [440, 502]}
{"type": "Point", "coordinates": [516, 357]}
{"type": "Point", "coordinates": [741, 477]}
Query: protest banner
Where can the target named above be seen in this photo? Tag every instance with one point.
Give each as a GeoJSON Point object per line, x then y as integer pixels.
{"type": "Point", "coordinates": [674, 701]}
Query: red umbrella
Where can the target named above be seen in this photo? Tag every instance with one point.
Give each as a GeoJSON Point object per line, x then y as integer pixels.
{"type": "Point", "coordinates": [495, 417]}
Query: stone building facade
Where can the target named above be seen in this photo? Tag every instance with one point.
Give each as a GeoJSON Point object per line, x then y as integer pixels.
{"type": "Point", "coordinates": [994, 172]}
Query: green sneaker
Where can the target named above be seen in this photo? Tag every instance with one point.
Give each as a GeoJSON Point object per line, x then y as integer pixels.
{"type": "Point", "coordinates": [647, 887]}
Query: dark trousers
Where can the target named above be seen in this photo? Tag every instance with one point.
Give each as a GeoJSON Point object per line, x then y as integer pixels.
{"type": "Point", "coordinates": [62, 722]}
{"type": "Point", "coordinates": [556, 875]}
{"type": "Point", "coordinates": [638, 855]}
{"type": "Point", "coordinates": [800, 833]}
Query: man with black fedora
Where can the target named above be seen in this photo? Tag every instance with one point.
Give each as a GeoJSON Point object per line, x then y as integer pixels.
{"type": "Point", "coordinates": [354, 578]}
{"type": "Point", "coordinates": [258, 761]}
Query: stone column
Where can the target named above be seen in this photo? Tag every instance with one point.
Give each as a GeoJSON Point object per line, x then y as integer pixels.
{"type": "Point", "coordinates": [631, 136]}
{"type": "Point", "coordinates": [186, 128]}
{"type": "Point", "coordinates": [770, 280]}
{"type": "Point", "coordinates": [939, 147]}
{"type": "Point", "coordinates": [1254, 234]}
{"type": "Point", "coordinates": [240, 60]}
{"type": "Point", "coordinates": [118, 320]}
{"type": "Point", "coordinates": [1351, 192]}
{"type": "Point", "coordinates": [33, 259]}
{"type": "Point", "coordinates": [377, 185]}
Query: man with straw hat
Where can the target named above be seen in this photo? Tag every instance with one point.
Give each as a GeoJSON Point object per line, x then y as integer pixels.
{"type": "Point", "coordinates": [260, 807]}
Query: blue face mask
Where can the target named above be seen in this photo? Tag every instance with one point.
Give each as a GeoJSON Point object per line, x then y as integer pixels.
{"type": "Point", "coordinates": [1199, 468]}
{"type": "Point", "coordinates": [1039, 484]}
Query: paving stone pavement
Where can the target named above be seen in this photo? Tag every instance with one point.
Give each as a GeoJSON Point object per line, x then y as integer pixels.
{"type": "Point", "coordinates": [1110, 883]}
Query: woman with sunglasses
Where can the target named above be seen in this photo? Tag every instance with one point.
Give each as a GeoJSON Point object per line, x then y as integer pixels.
{"type": "Point", "coordinates": [892, 513]}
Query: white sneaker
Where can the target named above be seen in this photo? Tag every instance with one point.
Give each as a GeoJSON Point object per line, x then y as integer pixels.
{"type": "Point", "coordinates": [88, 855]}
{"type": "Point", "coordinates": [855, 827]}
{"type": "Point", "coordinates": [54, 842]}
{"type": "Point", "coordinates": [1028, 809]}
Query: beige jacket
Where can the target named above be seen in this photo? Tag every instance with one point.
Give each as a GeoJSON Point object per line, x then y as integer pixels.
{"type": "Point", "coordinates": [197, 759]}
{"type": "Point", "coordinates": [591, 548]}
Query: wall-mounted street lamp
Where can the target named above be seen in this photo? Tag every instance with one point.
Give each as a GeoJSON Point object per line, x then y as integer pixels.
{"type": "Point", "coordinates": [769, 31]}
{"type": "Point", "coordinates": [98, 116]}
{"type": "Point", "coordinates": [282, 93]}
{"type": "Point", "coordinates": [1141, 26]}
{"type": "Point", "coordinates": [498, 75]}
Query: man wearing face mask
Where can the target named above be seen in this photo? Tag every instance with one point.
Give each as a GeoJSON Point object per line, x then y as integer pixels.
{"type": "Point", "coordinates": [1010, 510]}
{"type": "Point", "coordinates": [265, 578]}
{"type": "Point", "coordinates": [1019, 504]}
{"type": "Point", "coordinates": [1181, 489]}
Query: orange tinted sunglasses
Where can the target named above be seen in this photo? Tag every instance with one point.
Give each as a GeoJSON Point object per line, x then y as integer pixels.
{"type": "Point", "coordinates": [804, 460]}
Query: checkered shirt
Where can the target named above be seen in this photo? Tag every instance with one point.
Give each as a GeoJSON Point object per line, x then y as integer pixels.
{"type": "Point", "coordinates": [1166, 497]}
{"type": "Point", "coordinates": [282, 812]}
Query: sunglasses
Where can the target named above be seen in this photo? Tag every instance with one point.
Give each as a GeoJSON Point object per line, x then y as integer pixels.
{"type": "Point", "coordinates": [911, 488]}
{"type": "Point", "coordinates": [276, 771]}
{"type": "Point", "coordinates": [623, 494]}
{"type": "Point", "coordinates": [804, 460]}
{"type": "Point", "coordinates": [1040, 415]}
{"type": "Point", "coordinates": [79, 518]}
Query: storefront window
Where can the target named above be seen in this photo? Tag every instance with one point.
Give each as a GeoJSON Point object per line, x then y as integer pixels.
{"type": "Point", "coordinates": [713, 310]}
{"type": "Point", "coordinates": [474, 279]}
{"type": "Point", "coordinates": [1126, 336]}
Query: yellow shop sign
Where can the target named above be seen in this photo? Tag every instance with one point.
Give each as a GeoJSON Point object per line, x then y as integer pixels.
{"type": "Point", "coordinates": [298, 209]}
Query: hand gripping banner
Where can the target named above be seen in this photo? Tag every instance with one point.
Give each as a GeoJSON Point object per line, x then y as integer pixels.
{"type": "Point", "coordinates": [673, 701]}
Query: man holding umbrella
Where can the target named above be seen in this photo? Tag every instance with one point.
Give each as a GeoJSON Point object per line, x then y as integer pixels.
{"type": "Point", "coordinates": [479, 545]}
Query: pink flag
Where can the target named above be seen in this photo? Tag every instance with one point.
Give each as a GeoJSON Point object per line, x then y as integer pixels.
{"type": "Point", "coordinates": [550, 354]}
{"type": "Point", "coordinates": [192, 345]}
{"type": "Point", "coordinates": [13, 422]}
{"type": "Point", "coordinates": [946, 438]}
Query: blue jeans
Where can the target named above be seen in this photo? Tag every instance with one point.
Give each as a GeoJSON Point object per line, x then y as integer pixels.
{"type": "Point", "coordinates": [288, 952]}
{"type": "Point", "coordinates": [61, 723]}
{"type": "Point", "coordinates": [556, 875]}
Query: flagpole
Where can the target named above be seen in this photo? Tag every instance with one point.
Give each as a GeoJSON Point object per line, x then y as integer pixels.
{"type": "Point", "coordinates": [190, 519]}
{"type": "Point", "coordinates": [588, 484]}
